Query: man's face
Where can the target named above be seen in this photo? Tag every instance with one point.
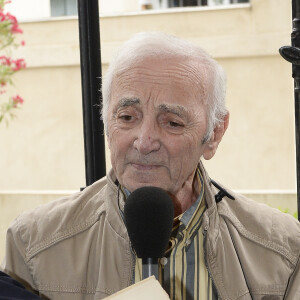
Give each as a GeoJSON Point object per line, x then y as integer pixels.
{"type": "Point", "coordinates": [157, 120]}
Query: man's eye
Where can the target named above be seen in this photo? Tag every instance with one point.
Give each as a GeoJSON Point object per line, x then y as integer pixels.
{"type": "Point", "coordinates": [126, 118]}
{"type": "Point", "coordinates": [175, 124]}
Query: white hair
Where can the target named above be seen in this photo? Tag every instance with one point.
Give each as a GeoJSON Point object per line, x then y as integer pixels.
{"type": "Point", "coordinates": [156, 44]}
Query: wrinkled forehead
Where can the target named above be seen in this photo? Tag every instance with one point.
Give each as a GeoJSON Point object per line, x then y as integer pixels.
{"type": "Point", "coordinates": [180, 73]}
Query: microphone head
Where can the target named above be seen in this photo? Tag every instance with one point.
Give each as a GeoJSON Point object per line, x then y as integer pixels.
{"type": "Point", "coordinates": [149, 214]}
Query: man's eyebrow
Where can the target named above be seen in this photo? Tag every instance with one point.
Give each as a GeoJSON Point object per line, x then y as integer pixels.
{"type": "Point", "coordinates": [127, 102]}
{"type": "Point", "coordinates": [178, 110]}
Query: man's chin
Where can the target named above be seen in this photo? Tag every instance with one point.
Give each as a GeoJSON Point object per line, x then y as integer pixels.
{"type": "Point", "coordinates": [140, 178]}
{"type": "Point", "coordinates": [136, 185]}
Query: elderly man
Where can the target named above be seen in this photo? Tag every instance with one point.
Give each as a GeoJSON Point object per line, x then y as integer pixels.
{"type": "Point", "coordinates": [163, 109]}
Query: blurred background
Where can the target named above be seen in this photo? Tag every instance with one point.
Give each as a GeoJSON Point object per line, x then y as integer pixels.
{"type": "Point", "coordinates": [42, 150]}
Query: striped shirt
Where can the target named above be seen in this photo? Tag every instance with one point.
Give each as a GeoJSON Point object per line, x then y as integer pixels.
{"type": "Point", "coordinates": [182, 271]}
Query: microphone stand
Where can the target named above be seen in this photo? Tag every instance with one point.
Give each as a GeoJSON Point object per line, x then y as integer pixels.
{"type": "Point", "coordinates": [292, 55]}
{"type": "Point", "coordinates": [149, 267]}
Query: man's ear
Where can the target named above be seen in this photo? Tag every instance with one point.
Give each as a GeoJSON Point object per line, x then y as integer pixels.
{"type": "Point", "coordinates": [217, 135]}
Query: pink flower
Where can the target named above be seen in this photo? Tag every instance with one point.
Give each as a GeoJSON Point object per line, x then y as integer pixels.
{"type": "Point", "coordinates": [12, 20]}
{"type": "Point", "coordinates": [4, 60]}
{"type": "Point", "coordinates": [2, 16]}
{"type": "Point", "coordinates": [15, 28]}
{"type": "Point", "coordinates": [23, 43]}
{"type": "Point", "coordinates": [14, 24]}
{"type": "Point", "coordinates": [17, 100]}
{"type": "Point", "coordinates": [19, 64]}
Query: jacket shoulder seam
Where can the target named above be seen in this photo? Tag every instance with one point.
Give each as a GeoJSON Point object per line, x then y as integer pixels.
{"type": "Point", "coordinates": [263, 242]}
{"type": "Point", "coordinates": [23, 254]}
{"type": "Point", "coordinates": [62, 235]}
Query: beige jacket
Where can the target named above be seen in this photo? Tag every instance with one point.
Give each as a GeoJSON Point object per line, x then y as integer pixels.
{"type": "Point", "coordinates": [78, 247]}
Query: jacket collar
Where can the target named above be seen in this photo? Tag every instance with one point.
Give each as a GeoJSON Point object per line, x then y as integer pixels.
{"type": "Point", "coordinates": [114, 198]}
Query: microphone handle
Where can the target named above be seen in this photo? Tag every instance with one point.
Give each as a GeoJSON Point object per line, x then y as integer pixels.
{"type": "Point", "coordinates": [150, 267]}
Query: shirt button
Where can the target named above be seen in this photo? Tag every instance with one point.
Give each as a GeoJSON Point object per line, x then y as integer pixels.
{"type": "Point", "coordinates": [188, 242]}
{"type": "Point", "coordinates": [163, 261]}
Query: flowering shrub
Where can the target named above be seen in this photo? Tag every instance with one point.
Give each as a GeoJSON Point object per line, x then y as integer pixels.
{"type": "Point", "coordinates": [9, 28]}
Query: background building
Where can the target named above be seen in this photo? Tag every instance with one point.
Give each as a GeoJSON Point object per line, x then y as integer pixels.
{"type": "Point", "coordinates": [41, 153]}
{"type": "Point", "coordinates": [37, 9]}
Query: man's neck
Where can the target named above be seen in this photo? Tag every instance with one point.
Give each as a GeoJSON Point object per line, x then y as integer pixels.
{"type": "Point", "coordinates": [187, 195]}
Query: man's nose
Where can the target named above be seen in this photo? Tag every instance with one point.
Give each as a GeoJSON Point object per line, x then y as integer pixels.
{"type": "Point", "coordinates": [147, 139]}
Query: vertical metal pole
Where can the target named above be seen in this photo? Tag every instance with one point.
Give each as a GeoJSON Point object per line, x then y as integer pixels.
{"type": "Point", "coordinates": [295, 37]}
{"type": "Point", "coordinates": [292, 54]}
{"type": "Point", "coordinates": [90, 61]}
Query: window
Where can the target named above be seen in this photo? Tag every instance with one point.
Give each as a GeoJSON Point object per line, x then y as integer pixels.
{"type": "Point", "coordinates": [63, 8]}
{"type": "Point", "coordinates": [182, 3]}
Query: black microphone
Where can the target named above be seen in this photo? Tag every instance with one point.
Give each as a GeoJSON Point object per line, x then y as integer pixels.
{"type": "Point", "coordinates": [149, 214]}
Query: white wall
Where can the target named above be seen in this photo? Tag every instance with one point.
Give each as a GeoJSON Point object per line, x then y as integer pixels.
{"type": "Point", "coordinates": [29, 9]}
{"type": "Point", "coordinates": [38, 9]}
{"type": "Point", "coordinates": [117, 6]}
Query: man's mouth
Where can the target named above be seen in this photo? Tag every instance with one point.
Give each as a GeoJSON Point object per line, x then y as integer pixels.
{"type": "Point", "coordinates": [144, 167]}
